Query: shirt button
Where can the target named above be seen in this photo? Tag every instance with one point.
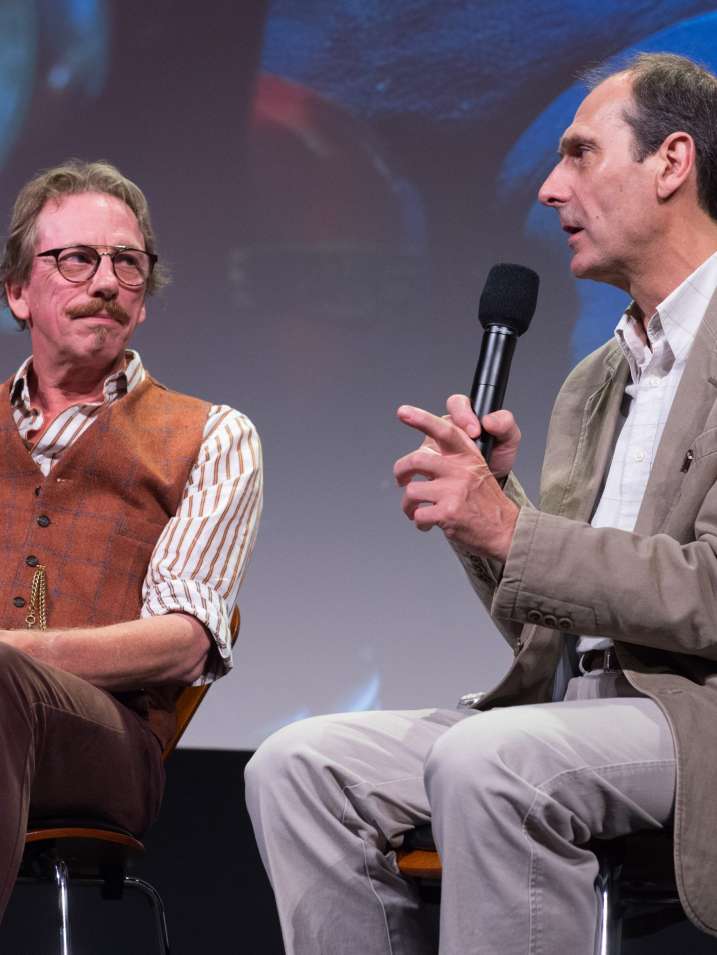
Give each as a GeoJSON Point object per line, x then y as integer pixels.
{"type": "Point", "coordinates": [639, 455]}
{"type": "Point", "coordinates": [18, 601]}
{"type": "Point", "coordinates": [31, 560]}
{"type": "Point", "coordinates": [43, 520]}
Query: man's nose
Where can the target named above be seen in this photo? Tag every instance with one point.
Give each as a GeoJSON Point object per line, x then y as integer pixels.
{"type": "Point", "coordinates": [554, 190]}
{"type": "Point", "coordinates": [103, 283]}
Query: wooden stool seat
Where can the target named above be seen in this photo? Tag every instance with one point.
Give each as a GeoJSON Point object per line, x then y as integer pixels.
{"type": "Point", "coordinates": [87, 852]}
{"type": "Point", "coordinates": [420, 864]}
{"type": "Point", "coordinates": [418, 857]}
{"type": "Point", "coordinates": [86, 848]}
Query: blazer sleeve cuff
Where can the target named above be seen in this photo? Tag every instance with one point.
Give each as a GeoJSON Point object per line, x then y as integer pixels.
{"type": "Point", "coordinates": [530, 587]}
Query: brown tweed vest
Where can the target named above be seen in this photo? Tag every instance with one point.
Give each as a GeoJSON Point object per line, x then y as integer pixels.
{"type": "Point", "coordinates": [94, 520]}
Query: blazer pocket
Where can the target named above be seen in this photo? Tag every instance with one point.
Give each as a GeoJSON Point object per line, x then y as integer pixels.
{"type": "Point", "coordinates": [704, 444]}
{"type": "Point", "coordinates": [698, 479]}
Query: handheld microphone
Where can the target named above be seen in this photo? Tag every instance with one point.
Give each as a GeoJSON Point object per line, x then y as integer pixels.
{"type": "Point", "coordinates": [506, 307]}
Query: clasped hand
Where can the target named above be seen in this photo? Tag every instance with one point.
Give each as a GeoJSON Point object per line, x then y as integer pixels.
{"type": "Point", "coordinates": [460, 492]}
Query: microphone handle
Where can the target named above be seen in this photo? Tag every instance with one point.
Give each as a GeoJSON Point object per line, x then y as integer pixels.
{"type": "Point", "coordinates": [491, 378]}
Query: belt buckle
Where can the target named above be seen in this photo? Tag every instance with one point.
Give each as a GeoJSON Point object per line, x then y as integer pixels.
{"type": "Point", "coordinates": [608, 664]}
{"type": "Point", "coordinates": [610, 659]}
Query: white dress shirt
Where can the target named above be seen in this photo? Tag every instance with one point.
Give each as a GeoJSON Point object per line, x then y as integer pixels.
{"type": "Point", "coordinates": [655, 372]}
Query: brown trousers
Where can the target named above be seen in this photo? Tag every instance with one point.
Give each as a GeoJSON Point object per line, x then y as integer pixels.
{"type": "Point", "coordinates": [68, 750]}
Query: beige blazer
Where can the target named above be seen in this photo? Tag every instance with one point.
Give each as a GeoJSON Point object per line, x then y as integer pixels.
{"type": "Point", "coordinates": [653, 591]}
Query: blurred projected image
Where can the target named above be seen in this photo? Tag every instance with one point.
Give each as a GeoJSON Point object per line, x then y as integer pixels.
{"type": "Point", "coordinates": [332, 182]}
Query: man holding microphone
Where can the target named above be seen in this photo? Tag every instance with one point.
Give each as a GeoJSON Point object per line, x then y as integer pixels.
{"type": "Point", "coordinates": [606, 591]}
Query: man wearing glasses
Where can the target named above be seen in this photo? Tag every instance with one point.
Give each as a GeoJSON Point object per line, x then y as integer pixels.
{"type": "Point", "coordinates": [128, 513]}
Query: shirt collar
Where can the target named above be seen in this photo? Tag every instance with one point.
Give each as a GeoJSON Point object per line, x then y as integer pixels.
{"type": "Point", "coordinates": [676, 319]}
{"type": "Point", "coordinates": [116, 385]}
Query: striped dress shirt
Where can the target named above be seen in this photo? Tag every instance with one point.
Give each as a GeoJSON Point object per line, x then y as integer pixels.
{"type": "Point", "coordinates": [200, 558]}
{"type": "Point", "coordinates": [656, 369]}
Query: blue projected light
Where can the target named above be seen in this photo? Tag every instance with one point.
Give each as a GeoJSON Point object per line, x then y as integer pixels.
{"type": "Point", "coordinates": [380, 59]}
{"type": "Point", "coordinates": [409, 57]}
{"type": "Point", "coordinates": [533, 156]}
{"type": "Point", "coordinates": [365, 697]}
{"type": "Point", "coordinates": [456, 62]}
{"type": "Point", "coordinates": [78, 40]}
{"type": "Point", "coordinates": [18, 50]}
{"type": "Point", "coordinates": [76, 34]}
{"type": "Point", "coordinates": [75, 37]}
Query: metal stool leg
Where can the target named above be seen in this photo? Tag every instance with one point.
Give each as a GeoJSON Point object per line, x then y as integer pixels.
{"type": "Point", "coordinates": [155, 900]}
{"type": "Point", "coordinates": [62, 882]}
{"type": "Point", "coordinates": [608, 936]}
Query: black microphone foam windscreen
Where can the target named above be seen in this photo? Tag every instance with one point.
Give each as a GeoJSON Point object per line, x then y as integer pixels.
{"type": "Point", "coordinates": [509, 297]}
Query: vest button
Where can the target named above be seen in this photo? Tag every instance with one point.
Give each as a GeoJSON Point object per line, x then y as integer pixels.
{"type": "Point", "coordinates": [18, 601]}
{"type": "Point", "coordinates": [550, 620]}
{"type": "Point", "coordinates": [38, 491]}
{"type": "Point", "coordinates": [31, 560]}
{"type": "Point", "coordinates": [534, 616]}
{"type": "Point", "coordinates": [43, 520]}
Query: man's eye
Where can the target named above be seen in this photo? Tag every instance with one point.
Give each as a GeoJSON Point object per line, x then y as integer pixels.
{"type": "Point", "coordinates": [77, 257]}
{"type": "Point", "coordinates": [129, 258]}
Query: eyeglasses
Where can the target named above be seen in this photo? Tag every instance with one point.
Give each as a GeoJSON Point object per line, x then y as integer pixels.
{"type": "Point", "coordinates": [78, 263]}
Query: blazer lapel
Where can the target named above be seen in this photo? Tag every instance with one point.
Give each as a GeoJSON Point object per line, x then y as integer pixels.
{"type": "Point", "coordinates": [577, 463]}
{"type": "Point", "coordinates": [691, 406]}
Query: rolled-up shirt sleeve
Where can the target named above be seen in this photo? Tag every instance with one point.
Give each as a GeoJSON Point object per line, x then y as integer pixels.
{"type": "Point", "coordinates": [199, 561]}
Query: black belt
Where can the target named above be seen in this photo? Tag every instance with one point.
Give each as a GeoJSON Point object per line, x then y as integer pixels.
{"type": "Point", "coordinates": [599, 660]}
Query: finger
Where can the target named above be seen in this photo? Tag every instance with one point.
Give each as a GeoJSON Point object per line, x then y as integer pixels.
{"type": "Point", "coordinates": [423, 462]}
{"type": "Point", "coordinates": [423, 513]}
{"type": "Point", "coordinates": [462, 414]}
{"type": "Point", "coordinates": [446, 435]}
{"type": "Point", "coordinates": [502, 425]}
{"type": "Point", "coordinates": [426, 517]}
{"type": "Point", "coordinates": [417, 494]}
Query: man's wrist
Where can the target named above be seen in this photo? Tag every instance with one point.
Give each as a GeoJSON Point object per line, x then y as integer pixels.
{"type": "Point", "coordinates": [512, 512]}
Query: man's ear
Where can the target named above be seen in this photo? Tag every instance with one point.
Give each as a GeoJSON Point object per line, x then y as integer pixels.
{"type": "Point", "coordinates": [17, 301]}
{"type": "Point", "coordinates": [676, 157]}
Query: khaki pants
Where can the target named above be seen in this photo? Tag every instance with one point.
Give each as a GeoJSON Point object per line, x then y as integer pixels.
{"type": "Point", "coordinates": [512, 794]}
{"type": "Point", "coordinates": [68, 749]}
